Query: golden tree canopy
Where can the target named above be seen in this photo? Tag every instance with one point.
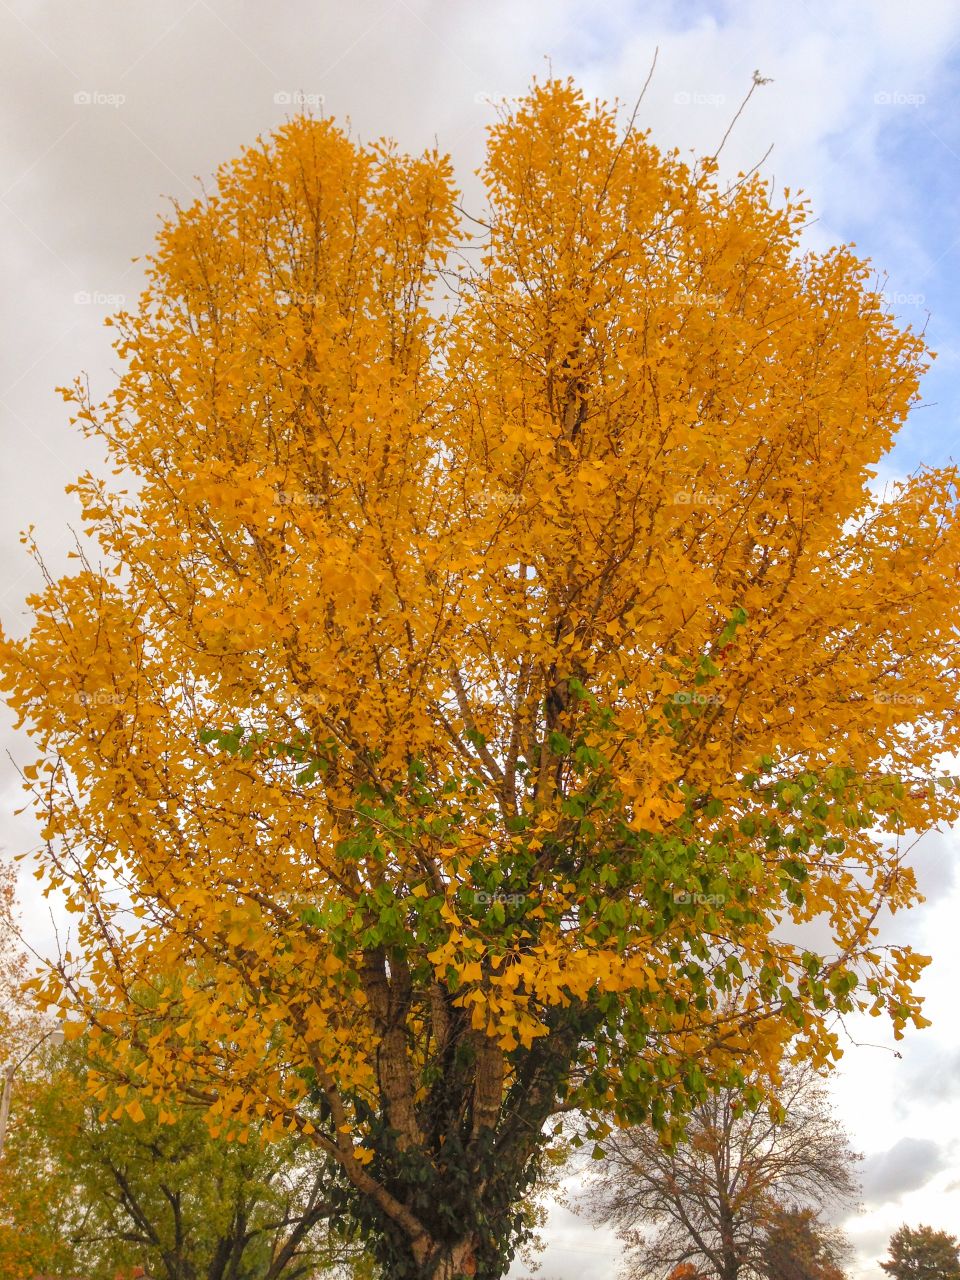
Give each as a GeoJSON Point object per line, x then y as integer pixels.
{"type": "Point", "coordinates": [496, 641]}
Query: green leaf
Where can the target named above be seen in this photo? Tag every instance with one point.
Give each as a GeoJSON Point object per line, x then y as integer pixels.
{"type": "Point", "coordinates": [708, 666]}
{"type": "Point", "coordinates": [796, 870]}
{"type": "Point", "coordinates": [310, 772]}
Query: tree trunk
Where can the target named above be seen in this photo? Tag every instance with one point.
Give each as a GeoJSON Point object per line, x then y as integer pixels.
{"type": "Point", "coordinates": [730, 1254]}
{"type": "Point", "coordinates": [450, 1262]}
{"type": "Point", "coordinates": [441, 1199]}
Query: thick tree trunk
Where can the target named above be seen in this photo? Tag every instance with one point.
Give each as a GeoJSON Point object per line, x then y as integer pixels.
{"type": "Point", "coordinates": [440, 1200]}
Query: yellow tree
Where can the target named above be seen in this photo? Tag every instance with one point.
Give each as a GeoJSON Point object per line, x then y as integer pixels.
{"type": "Point", "coordinates": [489, 649]}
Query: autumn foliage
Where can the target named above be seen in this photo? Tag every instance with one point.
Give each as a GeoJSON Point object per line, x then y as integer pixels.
{"type": "Point", "coordinates": [488, 646]}
{"type": "Point", "coordinates": [922, 1253]}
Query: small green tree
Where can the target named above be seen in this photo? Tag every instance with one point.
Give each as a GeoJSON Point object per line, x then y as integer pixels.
{"type": "Point", "coordinates": [105, 1185]}
{"type": "Point", "coordinates": [920, 1253]}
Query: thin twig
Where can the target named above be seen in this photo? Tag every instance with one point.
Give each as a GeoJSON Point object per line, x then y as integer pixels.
{"type": "Point", "coordinates": [758, 80]}
{"type": "Point", "coordinates": [629, 129]}
{"type": "Point", "coordinates": [750, 172]}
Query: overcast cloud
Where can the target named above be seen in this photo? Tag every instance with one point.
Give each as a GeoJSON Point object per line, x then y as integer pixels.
{"type": "Point", "coordinates": [909, 1164]}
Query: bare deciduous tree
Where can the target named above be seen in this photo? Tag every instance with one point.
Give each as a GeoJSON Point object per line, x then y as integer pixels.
{"type": "Point", "coordinates": [710, 1201]}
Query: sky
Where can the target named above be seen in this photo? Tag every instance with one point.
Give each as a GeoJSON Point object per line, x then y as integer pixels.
{"type": "Point", "coordinates": [110, 110]}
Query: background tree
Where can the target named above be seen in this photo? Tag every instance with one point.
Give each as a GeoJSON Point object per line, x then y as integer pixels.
{"type": "Point", "coordinates": [30, 1236]}
{"type": "Point", "coordinates": [796, 1245]}
{"type": "Point", "coordinates": [19, 1024]}
{"type": "Point", "coordinates": [739, 1195]}
{"type": "Point", "coordinates": [37, 1207]}
{"type": "Point", "coordinates": [463, 696]}
{"type": "Point", "coordinates": [920, 1253]}
{"type": "Point", "coordinates": [100, 1186]}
